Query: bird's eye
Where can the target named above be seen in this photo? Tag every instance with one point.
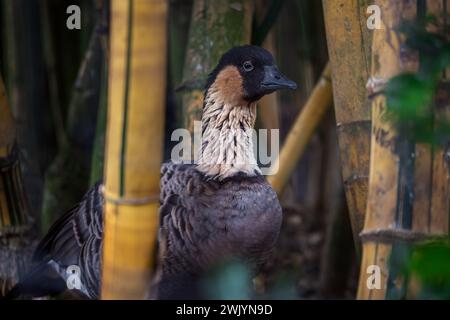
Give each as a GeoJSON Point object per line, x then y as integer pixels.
{"type": "Point", "coordinates": [248, 66]}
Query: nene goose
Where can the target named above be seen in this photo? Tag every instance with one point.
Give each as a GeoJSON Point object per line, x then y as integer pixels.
{"type": "Point", "coordinates": [220, 207]}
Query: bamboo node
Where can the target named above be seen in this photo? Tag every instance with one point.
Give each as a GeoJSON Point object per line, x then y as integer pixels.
{"type": "Point", "coordinates": [394, 235]}
{"type": "Point", "coordinates": [326, 78]}
{"type": "Point", "coordinates": [132, 201]}
{"type": "Point", "coordinates": [354, 178]}
{"type": "Point", "coordinates": [375, 86]}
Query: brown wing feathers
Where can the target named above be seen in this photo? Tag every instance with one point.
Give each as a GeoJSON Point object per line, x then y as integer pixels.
{"type": "Point", "coordinates": [66, 238]}
{"type": "Point", "coordinates": [201, 221]}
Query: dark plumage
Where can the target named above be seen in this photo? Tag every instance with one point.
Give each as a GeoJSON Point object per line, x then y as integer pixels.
{"type": "Point", "coordinates": [204, 221]}
{"type": "Point", "coordinates": [209, 212]}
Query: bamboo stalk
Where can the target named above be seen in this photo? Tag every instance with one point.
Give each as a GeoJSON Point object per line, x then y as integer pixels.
{"type": "Point", "coordinates": [408, 197]}
{"type": "Point", "coordinates": [98, 152]}
{"type": "Point", "coordinates": [383, 179]}
{"type": "Point", "coordinates": [216, 26]}
{"type": "Point", "coordinates": [303, 61]}
{"type": "Point", "coordinates": [179, 18]}
{"type": "Point", "coordinates": [338, 249]}
{"type": "Point", "coordinates": [266, 19]}
{"type": "Point", "coordinates": [13, 205]}
{"type": "Point", "coordinates": [301, 132]}
{"type": "Point", "coordinates": [23, 70]}
{"type": "Point", "coordinates": [178, 28]}
{"type": "Point", "coordinates": [15, 222]}
{"type": "Point", "coordinates": [349, 42]}
{"type": "Point", "coordinates": [338, 254]}
{"type": "Point", "coordinates": [268, 105]}
{"type": "Point", "coordinates": [67, 177]}
{"type": "Point", "coordinates": [7, 127]}
{"type": "Point", "coordinates": [53, 84]}
{"type": "Point", "coordinates": [134, 145]}
{"type": "Point", "coordinates": [25, 82]}
{"type": "Point", "coordinates": [14, 208]}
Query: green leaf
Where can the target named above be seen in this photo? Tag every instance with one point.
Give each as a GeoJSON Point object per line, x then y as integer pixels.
{"type": "Point", "coordinates": [408, 96]}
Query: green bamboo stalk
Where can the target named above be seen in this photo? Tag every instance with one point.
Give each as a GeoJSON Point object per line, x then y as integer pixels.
{"type": "Point", "coordinates": [98, 153]}
{"type": "Point", "coordinates": [67, 178]}
{"type": "Point", "coordinates": [178, 31]}
{"type": "Point", "coordinates": [216, 26]}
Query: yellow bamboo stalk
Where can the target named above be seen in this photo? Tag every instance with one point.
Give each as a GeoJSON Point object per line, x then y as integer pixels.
{"type": "Point", "coordinates": [388, 220]}
{"type": "Point", "coordinates": [383, 187]}
{"type": "Point", "coordinates": [349, 45]}
{"type": "Point", "coordinates": [301, 132]}
{"type": "Point", "coordinates": [134, 145]}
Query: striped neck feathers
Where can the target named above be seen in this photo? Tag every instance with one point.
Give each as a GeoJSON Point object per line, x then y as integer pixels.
{"type": "Point", "coordinates": [227, 132]}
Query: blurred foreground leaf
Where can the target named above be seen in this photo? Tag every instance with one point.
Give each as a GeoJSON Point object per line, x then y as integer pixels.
{"type": "Point", "coordinates": [429, 263]}
{"type": "Point", "coordinates": [411, 97]}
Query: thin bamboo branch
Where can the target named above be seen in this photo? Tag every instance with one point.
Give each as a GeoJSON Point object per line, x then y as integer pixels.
{"type": "Point", "coordinates": [134, 145]}
{"type": "Point", "coordinates": [302, 130]}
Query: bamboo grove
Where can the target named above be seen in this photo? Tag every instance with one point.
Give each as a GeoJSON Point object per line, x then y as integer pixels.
{"type": "Point", "coordinates": [363, 171]}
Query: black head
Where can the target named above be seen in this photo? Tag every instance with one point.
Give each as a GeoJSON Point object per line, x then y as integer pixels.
{"type": "Point", "coordinates": [249, 71]}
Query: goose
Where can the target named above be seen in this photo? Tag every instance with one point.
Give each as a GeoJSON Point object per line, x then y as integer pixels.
{"type": "Point", "coordinates": [219, 208]}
